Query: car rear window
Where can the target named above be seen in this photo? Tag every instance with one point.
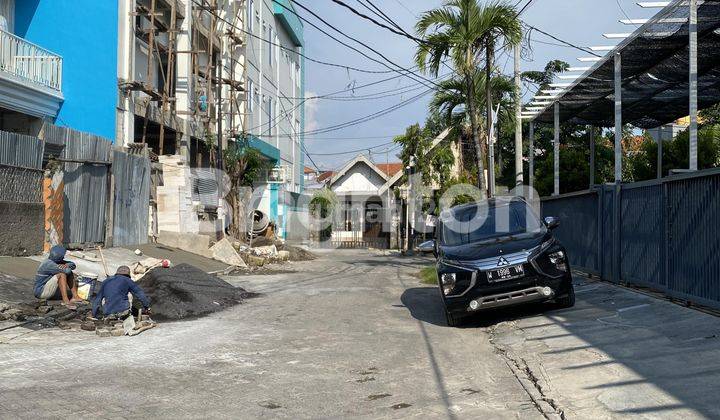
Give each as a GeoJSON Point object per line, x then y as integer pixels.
{"type": "Point", "coordinates": [479, 223]}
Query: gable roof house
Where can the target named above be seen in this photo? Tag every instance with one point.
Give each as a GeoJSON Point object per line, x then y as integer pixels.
{"type": "Point", "coordinates": [368, 213]}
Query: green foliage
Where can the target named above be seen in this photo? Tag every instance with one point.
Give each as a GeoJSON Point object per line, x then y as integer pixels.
{"type": "Point", "coordinates": [428, 275]}
{"type": "Point", "coordinates": [434, 164]}
{"type": "Point", "coordinates": [461, 30]}
{"type": "Point", "coordinates": [323, 202]}
{"type": "Point", "coordinates": [322, 206]}
{"type": "Point", "coordinates": [244, 165]}
{"type": "Point", "coordinates": [545, 77]}
{"type": "Point", "coordinates": [643, 164]}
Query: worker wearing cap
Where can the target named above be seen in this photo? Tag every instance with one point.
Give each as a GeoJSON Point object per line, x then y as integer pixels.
{"type": "Point", "coordinates": [114, 291]}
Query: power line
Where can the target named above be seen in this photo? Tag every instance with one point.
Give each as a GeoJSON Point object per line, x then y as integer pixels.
{"type": "Point", "coordinates": [357, 41]}
{"type": "Point", "coordinates": [586, 50]}
{"type": "Point", "coordinates": [325, 63]}
{"type": "Point", "coordinates": [393, 30]}
{"type": "Point", "coordinates": [352, 151]}
{"type": "Point", "coordinates": [364, 119]}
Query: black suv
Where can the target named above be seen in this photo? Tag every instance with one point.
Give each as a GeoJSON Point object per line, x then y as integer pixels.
{"type": "Point", "coordinates": [499, 253]}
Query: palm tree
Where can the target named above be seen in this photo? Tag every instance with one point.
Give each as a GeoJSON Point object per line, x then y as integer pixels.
{"type": "Point", "coordinates": [545, 77]}
{"type": "Point", "coordinates": [450, 101]}
{"type": "Point", "coordinates": [461, 30]}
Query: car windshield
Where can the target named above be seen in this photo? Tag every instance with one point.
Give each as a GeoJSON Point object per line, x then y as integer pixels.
{"type": "Point", "coordinates": [482, 222]}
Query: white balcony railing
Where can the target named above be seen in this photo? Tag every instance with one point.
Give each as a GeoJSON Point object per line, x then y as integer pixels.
{"type": "Point", "coordinates": [29, 61]}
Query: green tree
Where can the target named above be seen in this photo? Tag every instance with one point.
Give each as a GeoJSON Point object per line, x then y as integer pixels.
{"type": "Point", "coordinates": [461, 30]}
{"type": "Point", "coordinates": [322, 205]}
{"type": "Point", "coordinates": [643, 164]}
{"type": "Point", "coordinates": [244, 165]}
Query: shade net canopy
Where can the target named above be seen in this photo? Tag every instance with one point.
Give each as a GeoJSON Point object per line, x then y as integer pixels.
{"type": "Point", "coordinates": [655, 73]}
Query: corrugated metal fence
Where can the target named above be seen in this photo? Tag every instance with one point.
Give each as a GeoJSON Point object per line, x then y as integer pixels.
{"type": "Point", "coordinates": [668, 238]}
{"type": "Point", "coordinates": [131, 176]}
{"type": "Point", "coordinates": [20, 168]}
{"type": "Point", "coordinates": [87, 161]}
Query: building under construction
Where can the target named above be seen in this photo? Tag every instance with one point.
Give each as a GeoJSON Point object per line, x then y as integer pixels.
{"type": "Point", "coordinates": [193, 72]}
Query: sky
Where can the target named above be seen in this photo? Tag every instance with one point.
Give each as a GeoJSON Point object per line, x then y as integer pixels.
{"type": "Point", "coordinates": [580, 22]}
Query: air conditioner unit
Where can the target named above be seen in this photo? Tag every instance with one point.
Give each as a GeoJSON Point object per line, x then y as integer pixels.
{"type": "Point", "coordinates": [276, 175]}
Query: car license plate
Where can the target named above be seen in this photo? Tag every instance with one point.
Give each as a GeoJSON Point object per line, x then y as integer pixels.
{"type": "Point", "coordinates": [506, 273]}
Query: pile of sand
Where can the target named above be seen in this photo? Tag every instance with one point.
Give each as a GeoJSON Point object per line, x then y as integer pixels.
{"type": "Point", "coordinates": [184, 291]}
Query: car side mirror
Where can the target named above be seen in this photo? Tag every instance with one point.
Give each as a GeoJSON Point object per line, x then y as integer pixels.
{"type": "Point", "coordinates": [435, 248]}
{"type": "Point", "coordinates": [427, 246]}
{"type": "Point", "coordinates": [552, 222]}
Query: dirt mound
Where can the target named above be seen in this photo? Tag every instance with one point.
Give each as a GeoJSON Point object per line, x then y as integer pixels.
{"type": "Point", "coordinates": [297, 253]}
{"type": "Point", "coordinates": [184, 291]}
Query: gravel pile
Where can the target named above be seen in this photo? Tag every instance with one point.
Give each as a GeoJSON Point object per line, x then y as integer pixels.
{"type": "Point", "coordinates": [184, 291]}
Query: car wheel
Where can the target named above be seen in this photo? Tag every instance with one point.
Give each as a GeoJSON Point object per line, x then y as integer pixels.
{"type": "Point", "coordinates": [567, 301]}
{"type": "Point", "coordinates": [453, 320]}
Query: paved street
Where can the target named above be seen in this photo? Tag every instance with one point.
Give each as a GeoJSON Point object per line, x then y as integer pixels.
{"type": "Point", "coordinates": [355, 334]}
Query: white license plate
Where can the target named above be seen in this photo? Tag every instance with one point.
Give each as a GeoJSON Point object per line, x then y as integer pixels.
{"type": "Point", "coordinates": [506, 273]}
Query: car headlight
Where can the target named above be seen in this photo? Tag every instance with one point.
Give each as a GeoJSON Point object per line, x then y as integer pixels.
{"type": "Point", "coordinates": [557, 258]}
{"type": "Point", "coordinates": [447, 281]}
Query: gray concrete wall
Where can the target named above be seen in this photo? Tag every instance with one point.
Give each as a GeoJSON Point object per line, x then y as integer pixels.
{"type": "Point", "coordinates": [22, 228]}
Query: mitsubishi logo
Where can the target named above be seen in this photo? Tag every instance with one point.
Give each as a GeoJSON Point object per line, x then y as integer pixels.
{"type": "Point", "coordinates": [502, 261]}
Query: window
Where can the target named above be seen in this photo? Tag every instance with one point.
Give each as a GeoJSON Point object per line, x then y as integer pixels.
{"type": "Point", "coordinates": [270, 116]}
{"type": "Point", "coordinates": [270, 46]}
{"type": "Point", "coordinates": [249, 17]}
{"type": "Point", "coordinates": [481, 223]}
{"type": "Point", "coordinates": [250, 96]}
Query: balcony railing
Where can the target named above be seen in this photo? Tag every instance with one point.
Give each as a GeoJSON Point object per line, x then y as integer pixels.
{"type": "Point", "coordinates": [29, 61]}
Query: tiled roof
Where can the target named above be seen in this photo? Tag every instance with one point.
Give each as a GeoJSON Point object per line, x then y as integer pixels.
{"type": "Point", "coordinates": [390, 169]}
{"type": "Point", "coordinates": [325, 175]}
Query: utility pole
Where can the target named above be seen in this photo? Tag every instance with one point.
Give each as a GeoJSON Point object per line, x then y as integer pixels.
{"type": "Point", "coordinates": [518, 122]}
{"type": "Point", "coordinates": [491, 155]}
{"type": "Point", "coordinates": [218, 113]}
{"type": "Point", "coordinates": [409, 225]}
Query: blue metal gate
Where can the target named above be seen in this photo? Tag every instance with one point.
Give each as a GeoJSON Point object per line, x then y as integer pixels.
{"type": "Point", "coordinates": [669, 237]}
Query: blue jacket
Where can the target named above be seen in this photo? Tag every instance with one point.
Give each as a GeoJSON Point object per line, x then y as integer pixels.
{"type": "Point", "coordinates": [50, 267]}
{"type": "Point", "coordinates": [115, 292]}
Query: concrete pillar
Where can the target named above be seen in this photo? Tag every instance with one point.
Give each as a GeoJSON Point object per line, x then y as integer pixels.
{"type": "Point", "coordinates": [125, 122]}
{"type": "Point", "coordinates": [531, 155]}
{"type": "Point", "coordinates": [184, 88]}
{"type": "Point", "coordinates": [617, 218]}
{"type": "Point", "coordinates": [693, 61]}
{"type": "Point", "coordinates": [556, 151]}
{"type": "Point", "coordinates": [491, 159]}
{"type": "Point", "coordinates": [518, 121]}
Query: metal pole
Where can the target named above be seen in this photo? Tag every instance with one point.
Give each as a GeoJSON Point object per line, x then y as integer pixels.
{"type": "Point", "coordinates": [518, 122]}
{"type": "Point", "coordinates": [491, 157]}
{"type": "Point", "coordinates": [592, 155]}
{"type": "Point", "coordinates": [556, 151]}
{"type": "Point", "coordinates": [618, 118]}
{"type": "Point", "coordinates": [660, 155]}
{"type": "Point", "coordinates": [617, 217]}
{"type": "Point", "coordinates": [531, 156]}
{"type": "Point", "coordinates": [693, 86]}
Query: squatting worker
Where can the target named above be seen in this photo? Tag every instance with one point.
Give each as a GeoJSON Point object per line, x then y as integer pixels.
{"type": "Point", "coordinates": [114, 291]}
{"type": "Point", "coordinates": [55, 277]}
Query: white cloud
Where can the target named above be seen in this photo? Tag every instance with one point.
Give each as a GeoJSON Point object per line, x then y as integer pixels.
{"type": "Point", "coordinates": [311, 108]}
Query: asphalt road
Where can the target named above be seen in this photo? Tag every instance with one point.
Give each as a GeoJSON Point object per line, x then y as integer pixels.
{"type": "Point", "coordinates": [355, 335]}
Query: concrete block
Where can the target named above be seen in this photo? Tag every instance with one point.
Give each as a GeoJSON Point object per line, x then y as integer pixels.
{"type": "Point", "coordinates": [265, 251]}
{"type": "Point", "coordinates": [102, 332]}
{"type": "Point", "coordinates": [224, 251]}
{"type": "Point", "coordinates": [190, 242]}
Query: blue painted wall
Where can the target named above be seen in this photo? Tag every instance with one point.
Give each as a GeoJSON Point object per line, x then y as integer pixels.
{"type": "Point", "coordinates": [85, 34]}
